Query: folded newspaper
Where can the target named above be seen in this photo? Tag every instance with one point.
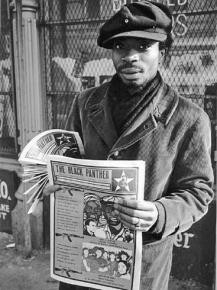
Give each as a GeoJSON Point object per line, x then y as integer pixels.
{"type": "Point", "coordinates": [90, 246]}
{"type": "Point", "coordinates": [33, 159]}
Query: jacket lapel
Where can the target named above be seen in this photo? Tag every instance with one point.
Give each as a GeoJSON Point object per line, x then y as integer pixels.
{"type": "Point", "coordinates": [100, 116]}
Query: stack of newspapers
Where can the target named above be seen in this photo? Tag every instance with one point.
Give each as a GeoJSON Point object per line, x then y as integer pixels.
{"type": "Point", "coordinates": [33, 159]}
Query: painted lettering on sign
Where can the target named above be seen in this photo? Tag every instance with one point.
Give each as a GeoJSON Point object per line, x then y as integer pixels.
{"type": "Point", "coordinates": [183, 240]}
{"type": "Point", "coordinates": [179, 18]}
{"type": "Point", "coordinates": [175, 3]}
{"type": "Point", "coordinates": [179, 24]}
{"type": "Point", "coordinates": [4, 208]}
{"type": "Point", "coordinates": [3, 190]}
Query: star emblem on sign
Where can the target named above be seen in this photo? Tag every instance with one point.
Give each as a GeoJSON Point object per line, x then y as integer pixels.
{"type": "Point", "coordinates": [64, 139]}
{"type": "Point", "coordinates": [123, 182]}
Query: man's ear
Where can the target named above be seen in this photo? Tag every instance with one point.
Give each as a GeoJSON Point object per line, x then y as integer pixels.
{"type": "Point", "coordinates": [162, 56]}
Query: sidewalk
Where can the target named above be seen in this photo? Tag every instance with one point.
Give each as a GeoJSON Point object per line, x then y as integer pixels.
{"type": "Point", "coordinates": [18, 273]}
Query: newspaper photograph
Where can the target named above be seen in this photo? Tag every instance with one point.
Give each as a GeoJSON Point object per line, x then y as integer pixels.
{"type": "Point", "coordinates": [89, 244]}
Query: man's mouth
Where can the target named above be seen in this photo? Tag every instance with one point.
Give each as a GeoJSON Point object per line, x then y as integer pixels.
{"type": "Point", "coordinates": [130, 70]}
{"type": "Point", "coordinates": [114, 220]}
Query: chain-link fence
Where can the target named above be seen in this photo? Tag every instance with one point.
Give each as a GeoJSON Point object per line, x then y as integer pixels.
{"type": "Point", "coordinates": [8, 141]}
{"type": "Point", "coordinates": [74, 62]}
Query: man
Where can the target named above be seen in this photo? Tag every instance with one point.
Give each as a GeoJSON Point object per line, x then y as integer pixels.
{"type": "Point", "coordinates": [90, 227]}
{"type": "Point", "coordinates": [123, 270]}
{"type": "Point", "coordinates": [136, 116]}
{"type": "Point", "coordinates": [92, 207]}
{"type": "Point", "coordinates": [114, 228]}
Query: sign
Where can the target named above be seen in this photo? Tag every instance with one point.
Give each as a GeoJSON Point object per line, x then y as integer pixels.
{"type": "Point", "coordinates": [9, 182]}
{"type": "Point", "coordinates": [192, 18]}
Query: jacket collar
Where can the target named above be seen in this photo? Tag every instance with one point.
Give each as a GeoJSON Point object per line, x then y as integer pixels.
{"type": "Point", "coordinates": [98, 113]}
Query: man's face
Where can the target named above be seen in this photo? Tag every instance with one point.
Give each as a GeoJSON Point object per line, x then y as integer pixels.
{"type": "Point", "coordinates": [122, 269]}
{"type": "Point", "coordinates": [98, 253]}
{"type": "Point", "coordinates": [136, 60]}
{"type": "Point", "coordinates": [111, 216]}
{"type": "Point", "coordinates": [123, 257]}
{"type": "Point", "coordinates": [86, 252]}
{"type": "Point", "coordinates": [91, 228]}
{"type": "Point", "coordinates": [93, 210]}
{"type": "Point", "coordinates": [105, 255]}
{"type": "Point", "coordinates": [112, 257]}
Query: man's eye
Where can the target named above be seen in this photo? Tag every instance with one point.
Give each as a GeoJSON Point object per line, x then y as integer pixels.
{"type": "Point", "coordinates": [143, 46]}
{"type": "Point", "coordinates": [118, 45]}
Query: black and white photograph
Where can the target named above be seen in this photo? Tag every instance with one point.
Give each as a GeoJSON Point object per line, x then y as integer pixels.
{"type": "Point", "coordinates": [108, 129]}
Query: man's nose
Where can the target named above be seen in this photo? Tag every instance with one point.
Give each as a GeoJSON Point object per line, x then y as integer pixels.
{"type": "Point", "coordinates": [130, 56]}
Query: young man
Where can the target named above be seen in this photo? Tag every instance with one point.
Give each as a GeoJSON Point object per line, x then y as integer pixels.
{"type": "Point", "coordinates": [114, 228]}
{"type": "Point", "coordinates": [136, 116]}
{"type": "Point", "coordinates": [90, 227]}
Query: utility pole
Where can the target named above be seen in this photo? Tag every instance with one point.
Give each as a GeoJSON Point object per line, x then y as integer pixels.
{"type": "Point", "coordinates": [30, 106]}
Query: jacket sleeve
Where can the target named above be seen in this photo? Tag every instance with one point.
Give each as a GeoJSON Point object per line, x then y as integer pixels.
{"type": "Point", "coordinates": [190, 190]}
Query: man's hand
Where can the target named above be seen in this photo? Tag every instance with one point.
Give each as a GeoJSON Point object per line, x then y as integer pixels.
{"type": "Point", "coordinates": [137, 214]}
{"type": "Point", "coordinates": [51, 189]}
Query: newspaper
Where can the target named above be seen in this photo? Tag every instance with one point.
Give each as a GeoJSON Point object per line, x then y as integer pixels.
{"type": "Point", "coordinates": [33, 159]}
{"type": "Point", "coordinates": [54, 141]}
{"type": "Point", "coordinates": [89, 245]}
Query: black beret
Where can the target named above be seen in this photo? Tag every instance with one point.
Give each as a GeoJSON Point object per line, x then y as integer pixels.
{"type": "Point", "coordinates": [145, 19]}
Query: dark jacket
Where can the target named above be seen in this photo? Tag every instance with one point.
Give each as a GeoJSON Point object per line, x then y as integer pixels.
{"type": "Point", "coordinates": [174, 141]}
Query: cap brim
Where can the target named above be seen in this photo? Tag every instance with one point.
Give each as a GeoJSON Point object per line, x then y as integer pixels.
{"type": "Point", "coordinates": [137, 34]}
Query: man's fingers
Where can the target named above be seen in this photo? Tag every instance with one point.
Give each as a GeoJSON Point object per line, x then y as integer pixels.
{"type": "Point", "coordinates": [147, 220]}
{"type": "Point", "coordinates": [129, 225]}
{"type": "Point", "coordinates": [50, 189]}
{"type": "Point", "coordinates": [134, 204]}
{"type": "Point", "coordinates": [144, 214]}
{"type": "Point", "coordinates": [143, 226]}
{"type": "Point", "coordinates": [140, 215]}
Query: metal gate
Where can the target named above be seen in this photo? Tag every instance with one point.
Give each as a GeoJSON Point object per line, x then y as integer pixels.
{"type": "Point", "coordinates": [73, 62]}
